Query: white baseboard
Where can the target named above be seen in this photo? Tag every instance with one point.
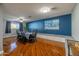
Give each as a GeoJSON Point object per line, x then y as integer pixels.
{"type": "Point", "coordinates": [8, 35]}
{"type": "Point", "coordinates": [60, 38]}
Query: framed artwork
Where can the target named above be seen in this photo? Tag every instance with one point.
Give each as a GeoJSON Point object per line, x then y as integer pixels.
{"type": "Point", "coordinates": [52, 24]}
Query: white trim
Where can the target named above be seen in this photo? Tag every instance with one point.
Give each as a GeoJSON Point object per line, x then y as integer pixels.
{"type": "Point", "coordinates": [8, 35]}
{"type": "Point", "coordinates": [60, 38]}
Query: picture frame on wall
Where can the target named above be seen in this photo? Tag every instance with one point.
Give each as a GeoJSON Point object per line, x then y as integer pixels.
{"type": "Point", "coordinates": [52, 24]}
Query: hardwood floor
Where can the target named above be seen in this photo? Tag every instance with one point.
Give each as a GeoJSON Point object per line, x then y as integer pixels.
{"type": "Point", "coordinates": [41, 47]}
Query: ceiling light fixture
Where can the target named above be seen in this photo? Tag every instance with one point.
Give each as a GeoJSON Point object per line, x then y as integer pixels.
{"type": "Point", "coordinates": [45, 9]}
{"type": "Point", "coordinates": [21, 19]}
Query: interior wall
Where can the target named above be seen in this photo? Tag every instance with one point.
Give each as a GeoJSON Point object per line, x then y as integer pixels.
{"type": "Point", "coordinates": [59, 38]}
{"type": "Point", "coordinates": [75, 22]}
{"type": "Point", "coordinates": [1, 29]}
{"type": "Point", "coordinates": [64, 25]}
{"type": "Point", "coordinates": [13, 31]}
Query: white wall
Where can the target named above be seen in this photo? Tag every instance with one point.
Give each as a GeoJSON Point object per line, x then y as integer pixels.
{"type": "Point", "coordinates": [1, 30]}
{"type": "Point", "coordinates": [13, 32]}
{"type": "Point", "coordinates": [75, 22]}
{"type": "Point", "coordinates": [60, 38]}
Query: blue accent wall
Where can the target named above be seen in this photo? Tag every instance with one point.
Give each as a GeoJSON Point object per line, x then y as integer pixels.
{"type": "Point", "coordinates": [64, 25]}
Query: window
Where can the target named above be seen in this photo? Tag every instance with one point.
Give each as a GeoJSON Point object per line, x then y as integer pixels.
{"type": "Point", "coordinates": [14, 25]}
{"type": "Point", "coordinates": [52, 24]}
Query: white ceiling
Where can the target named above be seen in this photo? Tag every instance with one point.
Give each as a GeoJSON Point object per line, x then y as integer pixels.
{"type": "Point", "coordinates": [33, 9]}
